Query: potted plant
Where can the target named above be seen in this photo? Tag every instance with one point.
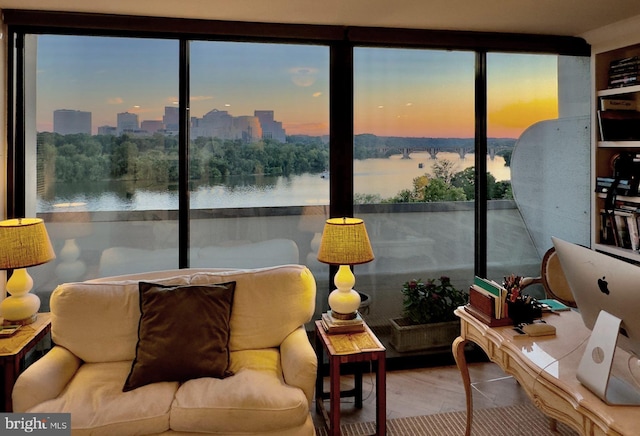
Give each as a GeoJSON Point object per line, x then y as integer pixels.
{"type": "Point", "coordinates": [427, 320]}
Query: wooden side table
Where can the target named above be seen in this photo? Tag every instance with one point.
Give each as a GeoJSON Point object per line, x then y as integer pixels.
{"type": "Point", "coordinates": [14, 348]}
{"type": "Point", "coordinates": [348, 348]}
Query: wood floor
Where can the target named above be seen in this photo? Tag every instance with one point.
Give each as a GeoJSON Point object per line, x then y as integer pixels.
{"type": "Point", "coordinates": [424, 391]}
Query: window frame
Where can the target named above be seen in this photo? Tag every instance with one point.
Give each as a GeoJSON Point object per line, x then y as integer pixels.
{"type": "Point", "coordinates": [341, 41]}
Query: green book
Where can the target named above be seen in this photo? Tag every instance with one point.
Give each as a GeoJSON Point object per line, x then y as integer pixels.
{"type": "Point", "coordinates": [487, 286]}
{"type": "Point", "coordinates": [554, 305]}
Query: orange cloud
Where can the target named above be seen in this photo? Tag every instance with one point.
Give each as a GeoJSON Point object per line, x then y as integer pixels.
{"type": "Point", "coordinates": [512, 119]}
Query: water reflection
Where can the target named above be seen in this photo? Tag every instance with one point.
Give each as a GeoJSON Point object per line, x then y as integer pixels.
{"type": "Point", "coordinates": [382, 177]}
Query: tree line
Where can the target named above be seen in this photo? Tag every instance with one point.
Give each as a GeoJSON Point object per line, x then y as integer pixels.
{"type": "Point", "coordinates": [80, 157]}
{"type": "Point", "coordinates": [77, 158]}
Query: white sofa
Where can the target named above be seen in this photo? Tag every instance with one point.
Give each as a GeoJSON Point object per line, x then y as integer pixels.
{"type": "Point", "coordinates": [95, 331]}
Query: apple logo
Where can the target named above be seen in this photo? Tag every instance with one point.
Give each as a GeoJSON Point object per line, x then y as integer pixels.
{"type": "Point", "coordinates": [603, 285]}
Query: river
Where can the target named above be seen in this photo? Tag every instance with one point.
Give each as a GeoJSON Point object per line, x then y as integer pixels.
{"type": "Point", "coordinates": [383, 177]}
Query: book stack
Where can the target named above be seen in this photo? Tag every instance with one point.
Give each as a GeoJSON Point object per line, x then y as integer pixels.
{"type": "Point", "coordinates": [338, 326]}
{"type": "Point", "coordinates": [605, 184]}
{"type": "Point", "coordinates": [487, 302]}
{"type": "Point", "coordinates": [624, 72]}
{"type": "Point", "coordinates": [621, 227]}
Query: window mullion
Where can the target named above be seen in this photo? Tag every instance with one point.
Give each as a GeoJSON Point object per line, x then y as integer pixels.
{"type": "Point", "coordinates": [183, 151]}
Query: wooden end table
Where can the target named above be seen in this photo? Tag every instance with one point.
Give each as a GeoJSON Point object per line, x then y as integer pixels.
{"type": "Point", "coordinates": [14, 348]}
{"type": "Point", "coordinates": [349, 348]}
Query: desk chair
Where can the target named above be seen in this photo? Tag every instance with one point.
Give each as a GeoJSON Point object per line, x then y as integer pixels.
{"type": "Point", "coordinates": [552, 279]}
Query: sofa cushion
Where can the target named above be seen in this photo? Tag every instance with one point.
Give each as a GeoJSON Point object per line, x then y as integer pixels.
{"type": "Point", "coordinates": [98, 320]}
{"type": "Point", "coordinates": [285, 296]}
{"type": "Point", "coordinates": [98, 406]}
{"type": "Point", "coordinates": [183, 333]}
{"type": "Point", "coordinates": [254, 400]}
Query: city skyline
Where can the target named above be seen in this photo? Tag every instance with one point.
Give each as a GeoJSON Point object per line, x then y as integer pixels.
{"type": "Point", "coordinates": [215, 123]}
{"type": "Point", "coordinates": [397, 92]}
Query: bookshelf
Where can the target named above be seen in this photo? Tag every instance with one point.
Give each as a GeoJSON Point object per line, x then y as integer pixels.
{"type": "Point", "coordinates": [616, 131]}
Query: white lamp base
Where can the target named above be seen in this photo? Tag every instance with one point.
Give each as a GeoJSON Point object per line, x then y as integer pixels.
{"type": "Point", "coordinates": [344, 305]}
{"type": "Point", "coordinates": [344, 301]}
{"type": "Point", "coordinates": [71, 268]}
{"type": "Point", "coordinates": [21, 307]}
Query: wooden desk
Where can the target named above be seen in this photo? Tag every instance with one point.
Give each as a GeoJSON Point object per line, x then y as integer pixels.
{"type": "Point", "coordinates": [546, 368]}
{"type": "Point", "coordinates": [12, 351]}
{"type": "Point", "coordinates": [375, 354]}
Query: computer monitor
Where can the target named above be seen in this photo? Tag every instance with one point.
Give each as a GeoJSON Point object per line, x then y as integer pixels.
{"type": "Point", "coordinates": [607, 294]}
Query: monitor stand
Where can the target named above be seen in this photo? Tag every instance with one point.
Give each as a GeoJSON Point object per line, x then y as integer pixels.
{"type": "Point", "coordinates": [594, 370]}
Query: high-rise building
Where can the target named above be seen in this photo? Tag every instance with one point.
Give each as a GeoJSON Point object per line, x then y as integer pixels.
{"type": "Point", "coordinates": [127, 122]}
{"type": "Point", "coordinates": [219, 124]}
{"type": "Point", "coordinates": [271, 129]}
{"type": "Point", "coordinates": [171, 119]}
{"type": "Point", "coordinates": [68, 121]}
{"type": "Point", "coordinates": [151, 126]}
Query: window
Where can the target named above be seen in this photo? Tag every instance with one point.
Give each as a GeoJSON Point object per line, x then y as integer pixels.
{"type": "Point", "coordinates": [414, 133]}
{"type": "Point", "coordinates": [259, 141]}
{"type": "Point", "coordinates": [271, 114]}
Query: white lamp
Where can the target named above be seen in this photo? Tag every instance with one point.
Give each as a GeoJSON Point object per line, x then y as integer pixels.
{"type": "Point", "coordinates": [69, 222]}
{"type": "Point", "coordinates": [24, 242]}
{"type": "Point", "coordinates": [344, 242]}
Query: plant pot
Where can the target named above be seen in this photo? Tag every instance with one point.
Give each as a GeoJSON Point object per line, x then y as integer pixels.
{"type": "Point", "coordinates": [417, 337]}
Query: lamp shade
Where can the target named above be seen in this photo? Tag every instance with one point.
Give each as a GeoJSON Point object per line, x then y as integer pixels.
{"type": "Point", "coordinates": [24, 242]}
{"type": "Point", "coordinates": [345, 242]}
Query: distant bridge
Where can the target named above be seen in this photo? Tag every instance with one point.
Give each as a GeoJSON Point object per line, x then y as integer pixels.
{"type": "Point", "coordinates": [433, 151]}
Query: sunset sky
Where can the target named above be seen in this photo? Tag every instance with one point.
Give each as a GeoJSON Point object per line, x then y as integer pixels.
{"type": "Point", "coordinates": [412, 93]}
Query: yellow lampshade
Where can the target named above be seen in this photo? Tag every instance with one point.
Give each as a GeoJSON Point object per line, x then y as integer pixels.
{"type": "Point", "coordinates": [345, 242]}
{"type": "Point", "coordinates": [24, 242]}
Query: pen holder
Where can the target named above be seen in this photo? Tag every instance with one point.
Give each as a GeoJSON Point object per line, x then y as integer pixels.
{"type": "Point", "coordinates": [521, 312]}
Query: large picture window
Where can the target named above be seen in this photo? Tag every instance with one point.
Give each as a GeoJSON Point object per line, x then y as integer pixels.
{"type": "Point", "coordinates": [160, 143]}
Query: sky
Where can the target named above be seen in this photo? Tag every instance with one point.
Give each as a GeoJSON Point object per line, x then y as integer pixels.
{"type": "Point", "coordinates": [397, 92]}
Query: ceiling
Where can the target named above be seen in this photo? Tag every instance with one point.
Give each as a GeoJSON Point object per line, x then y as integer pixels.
{"type": "Point", "coordinates": [559, 17]}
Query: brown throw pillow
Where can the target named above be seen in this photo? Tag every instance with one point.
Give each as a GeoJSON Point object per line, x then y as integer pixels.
{"type": "Point", "coordinates": [183, 333]}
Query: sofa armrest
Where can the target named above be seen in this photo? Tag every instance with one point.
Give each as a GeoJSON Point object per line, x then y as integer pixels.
{"type": "Point", "coordinates": [44, 379]}
{"type": "Point", "coordinates": [299, 362]}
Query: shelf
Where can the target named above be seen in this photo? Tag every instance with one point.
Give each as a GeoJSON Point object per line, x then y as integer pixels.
{"type": "Point", "coordinates": [619, 144]}
{"type": "Point", "coordinates": [604, 152]}
{"type": "Point", "coordinates": [621, 198]}
{"type": "Point", "coordinates": [618, 251]}
{"type": "Point", "coordinates": [610, 92]}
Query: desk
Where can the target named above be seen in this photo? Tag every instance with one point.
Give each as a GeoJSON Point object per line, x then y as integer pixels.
{"type": "Point", "coordinates": [12, 351]}
{"type": "Point", "coordinates": [375, 354]}
{"type": "Point", "coordinates": [546, 367]}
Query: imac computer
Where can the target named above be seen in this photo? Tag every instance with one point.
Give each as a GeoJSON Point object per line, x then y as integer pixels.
{"type": "Point", "coordinates": [607, 293]}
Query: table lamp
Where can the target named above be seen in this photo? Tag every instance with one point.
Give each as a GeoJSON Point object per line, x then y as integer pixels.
{"type": "Point", "coordinates": [344, 242]}
{"type": "Point", "coordinates": [24, 242]}
{"type": "Point", "coordinates": [70, 222]}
